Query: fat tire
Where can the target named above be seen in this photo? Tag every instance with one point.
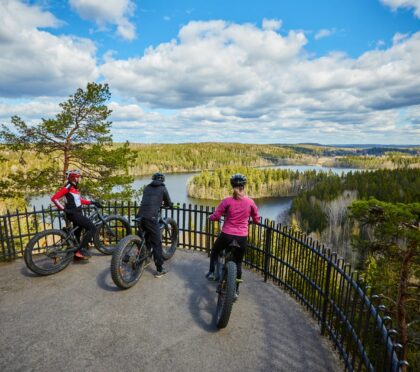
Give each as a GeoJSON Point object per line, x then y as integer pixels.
{"type": "Point", "coordinates": [116, 261]}
{"type": "Point", "coordinates": [223, 314]}
{"type": "Point", "coordinates": [28, 254]}
{"type": "Point", "coordinates": [99, 245]}
{"type": "Point", "coordinates": [169, 251]}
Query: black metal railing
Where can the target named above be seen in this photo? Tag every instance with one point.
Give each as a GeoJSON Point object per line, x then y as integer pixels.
{"type": "Point", "coordinates": [348, 313]}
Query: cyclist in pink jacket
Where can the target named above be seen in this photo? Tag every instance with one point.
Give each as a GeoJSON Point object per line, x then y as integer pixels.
{"type": "Point", "coordinates": [236, 210]}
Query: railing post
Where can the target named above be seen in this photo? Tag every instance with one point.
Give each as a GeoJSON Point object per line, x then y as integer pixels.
{"type": "Point", "coordinates": [326, 297]}
{"type": "Point", "coordinates": [267, 251]}
{"type": "Point", "coordinates": [2, 239]}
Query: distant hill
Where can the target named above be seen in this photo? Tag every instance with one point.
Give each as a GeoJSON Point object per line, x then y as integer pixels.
{"type": "Point", "coordinates": [350, 150]}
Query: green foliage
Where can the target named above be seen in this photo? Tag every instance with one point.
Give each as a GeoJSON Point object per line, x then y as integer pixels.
{"type": "Point", "coordinates": [399, 185]}
{"type": "Point", "coordinates": [388, 161]}
{"type": "Point", "coordinates": [260, 182]}
{"type": "Point", "coordinates": [393, 263]}
{"type": "Point", "coordinates": [390, 222]}
{"type": "Point", "coordinates": [309, 214]}
{"type": "Point", "coordinates": [189, 157]}
{"type": "Point", "coordinates": [78, 137]}
{"type": "Point", "coordinates": [353, 151]}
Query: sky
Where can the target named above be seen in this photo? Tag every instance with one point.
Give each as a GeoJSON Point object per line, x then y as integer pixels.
{"type": "Point", "coordinates": [327, 71]}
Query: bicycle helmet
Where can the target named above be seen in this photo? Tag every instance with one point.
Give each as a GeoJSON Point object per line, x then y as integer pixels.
{"type": "Point", "coordinates": [72, 175]}
{"type": "Point", "coordinates": [238, 180]}
{"type": "Point", "coordinates": [158, 177]}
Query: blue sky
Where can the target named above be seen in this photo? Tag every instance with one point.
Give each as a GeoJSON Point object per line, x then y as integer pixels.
{"type": "Point", "coordinates": [332, 72]}
{"type": "Point", "coordinates": [358, 24]}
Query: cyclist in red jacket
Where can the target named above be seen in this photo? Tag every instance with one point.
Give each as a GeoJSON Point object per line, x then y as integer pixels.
{"type": "Point", "coordinates": [236, 209]}
{"type": "Point", "coordinates": [73, 210]}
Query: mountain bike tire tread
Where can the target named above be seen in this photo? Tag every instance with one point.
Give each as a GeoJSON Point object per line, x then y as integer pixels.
{"type": "Point", "coordinates": [223, 320]}
{"type": "Point", "coordinates": [117, 256]}
{"type": "Point", "coordinates": [28, 253]}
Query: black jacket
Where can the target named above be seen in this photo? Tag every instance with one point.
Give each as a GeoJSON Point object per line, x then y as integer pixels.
{"type": "Point", "coordinates": [153, 195]}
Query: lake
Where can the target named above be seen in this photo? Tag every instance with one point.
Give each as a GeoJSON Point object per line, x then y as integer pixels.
{"type": "Point", "coordinates": [273, 208]}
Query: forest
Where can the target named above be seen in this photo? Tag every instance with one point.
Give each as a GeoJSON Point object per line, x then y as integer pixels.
{"type": "Point", "coordinates": [260, 182]}
{"type": "Point", "coordinates": [19, 167]}
{"type": "Point", "coordinates": [189, 157]}
{"type": "Point", "coordinates": [395, 186]}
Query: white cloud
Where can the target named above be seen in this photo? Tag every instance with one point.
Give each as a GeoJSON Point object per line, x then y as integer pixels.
{"type": "Point", "coordinates": [271, 24]}
{"type": "Point", "coordinates": [35, 62]}
{"type": "Point", "coordinates": [219, 81]}
{"type": "Point", "coordinates": [379, 44]}
{"type": "Point", "coordinates": [410, 4]}
{"type": "Point", "coordinates": [30, 111]}
{"type": "Point", "coordinates": [324, 33]}
{"type": "Point", "coordinates": [212, 60]}
{"type": "Point", "coordinates": [30, 16]}
{"type": "Point", "coordinates": [398, 37]}
{"type": "Point", "coordinates": [103, 13]}
{"type": "Point", "coordinates": [239, 77]}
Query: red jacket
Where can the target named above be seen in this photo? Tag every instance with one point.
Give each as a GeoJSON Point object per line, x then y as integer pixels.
{"type": "Point", "coordinates": [73, 198]}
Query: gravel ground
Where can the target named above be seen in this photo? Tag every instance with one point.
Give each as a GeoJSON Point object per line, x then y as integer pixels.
{"type": "Point", "coordinates": [78, 320]}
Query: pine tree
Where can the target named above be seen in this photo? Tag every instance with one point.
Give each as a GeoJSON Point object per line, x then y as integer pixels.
{"type": "Point", "coordinates": [77, 138]}
{"type": "Point", "coordinates": [395, 249]}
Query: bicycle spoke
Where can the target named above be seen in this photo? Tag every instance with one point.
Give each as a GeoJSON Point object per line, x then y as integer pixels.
{"type": "Point", "coordinates": [110, 234]}
{"type": "Point", "coordinates": [131, 262]}
{"type": "Point", "coordinates": [50, 251]}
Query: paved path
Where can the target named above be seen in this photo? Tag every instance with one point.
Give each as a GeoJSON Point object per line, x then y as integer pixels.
{"type": "Point", "coordinates": [78, 320]}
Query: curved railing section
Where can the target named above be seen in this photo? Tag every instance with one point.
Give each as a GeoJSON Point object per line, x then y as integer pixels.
{"type": "Point", "coordinates": [348, 313]}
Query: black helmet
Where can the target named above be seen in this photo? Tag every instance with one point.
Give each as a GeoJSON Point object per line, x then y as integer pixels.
{"type": "Point", "coordinates": [238, 180]}
{"type": "Point", "coordinates": [158, 177]}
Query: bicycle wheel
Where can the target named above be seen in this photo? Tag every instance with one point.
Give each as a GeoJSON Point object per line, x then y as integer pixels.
{"type": "Point", "coordinates": [49, 252]}
{"type": "Point", "coordinates": [128, 261]}
{"type": "Point", "coordinates": [226, 290]}
{"type": "Point", "coordinates": [110, 232]}
{"type": "Point", "coordinates": [169, 238]}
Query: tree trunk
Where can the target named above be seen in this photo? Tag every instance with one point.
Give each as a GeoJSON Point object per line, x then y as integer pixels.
{"type": "Point", "coordinates": [401, 300]}
{"type": "Point", "coordinates": [66, 163]}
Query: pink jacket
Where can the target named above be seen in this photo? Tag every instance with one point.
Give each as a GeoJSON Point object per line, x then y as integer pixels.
{"type": "Point", "coordinates": [237, 213]}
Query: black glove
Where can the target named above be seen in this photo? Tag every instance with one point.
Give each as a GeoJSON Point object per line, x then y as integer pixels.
{"type": "Point", "coordinates": [96, 204]}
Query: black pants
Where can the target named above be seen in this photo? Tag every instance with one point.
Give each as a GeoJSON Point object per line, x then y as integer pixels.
{"type": "Point", "coordinates": [76, 216]}
{"type": "Point", "coordinates": [150, 227]}
{"type": "Point", "coordinates": [222, 242]}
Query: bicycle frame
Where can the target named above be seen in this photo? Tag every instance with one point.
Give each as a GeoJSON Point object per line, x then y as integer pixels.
{"type": "Point", "coordinates": [223, 258]}
{"type": "Point", "coordinates": [96, 217]}
{"type": "Point", "coordinates": [142, 234]}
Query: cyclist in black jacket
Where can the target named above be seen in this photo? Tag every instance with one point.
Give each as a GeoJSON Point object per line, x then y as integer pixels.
{"type": "Point", "coordinates": [154, 194]}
